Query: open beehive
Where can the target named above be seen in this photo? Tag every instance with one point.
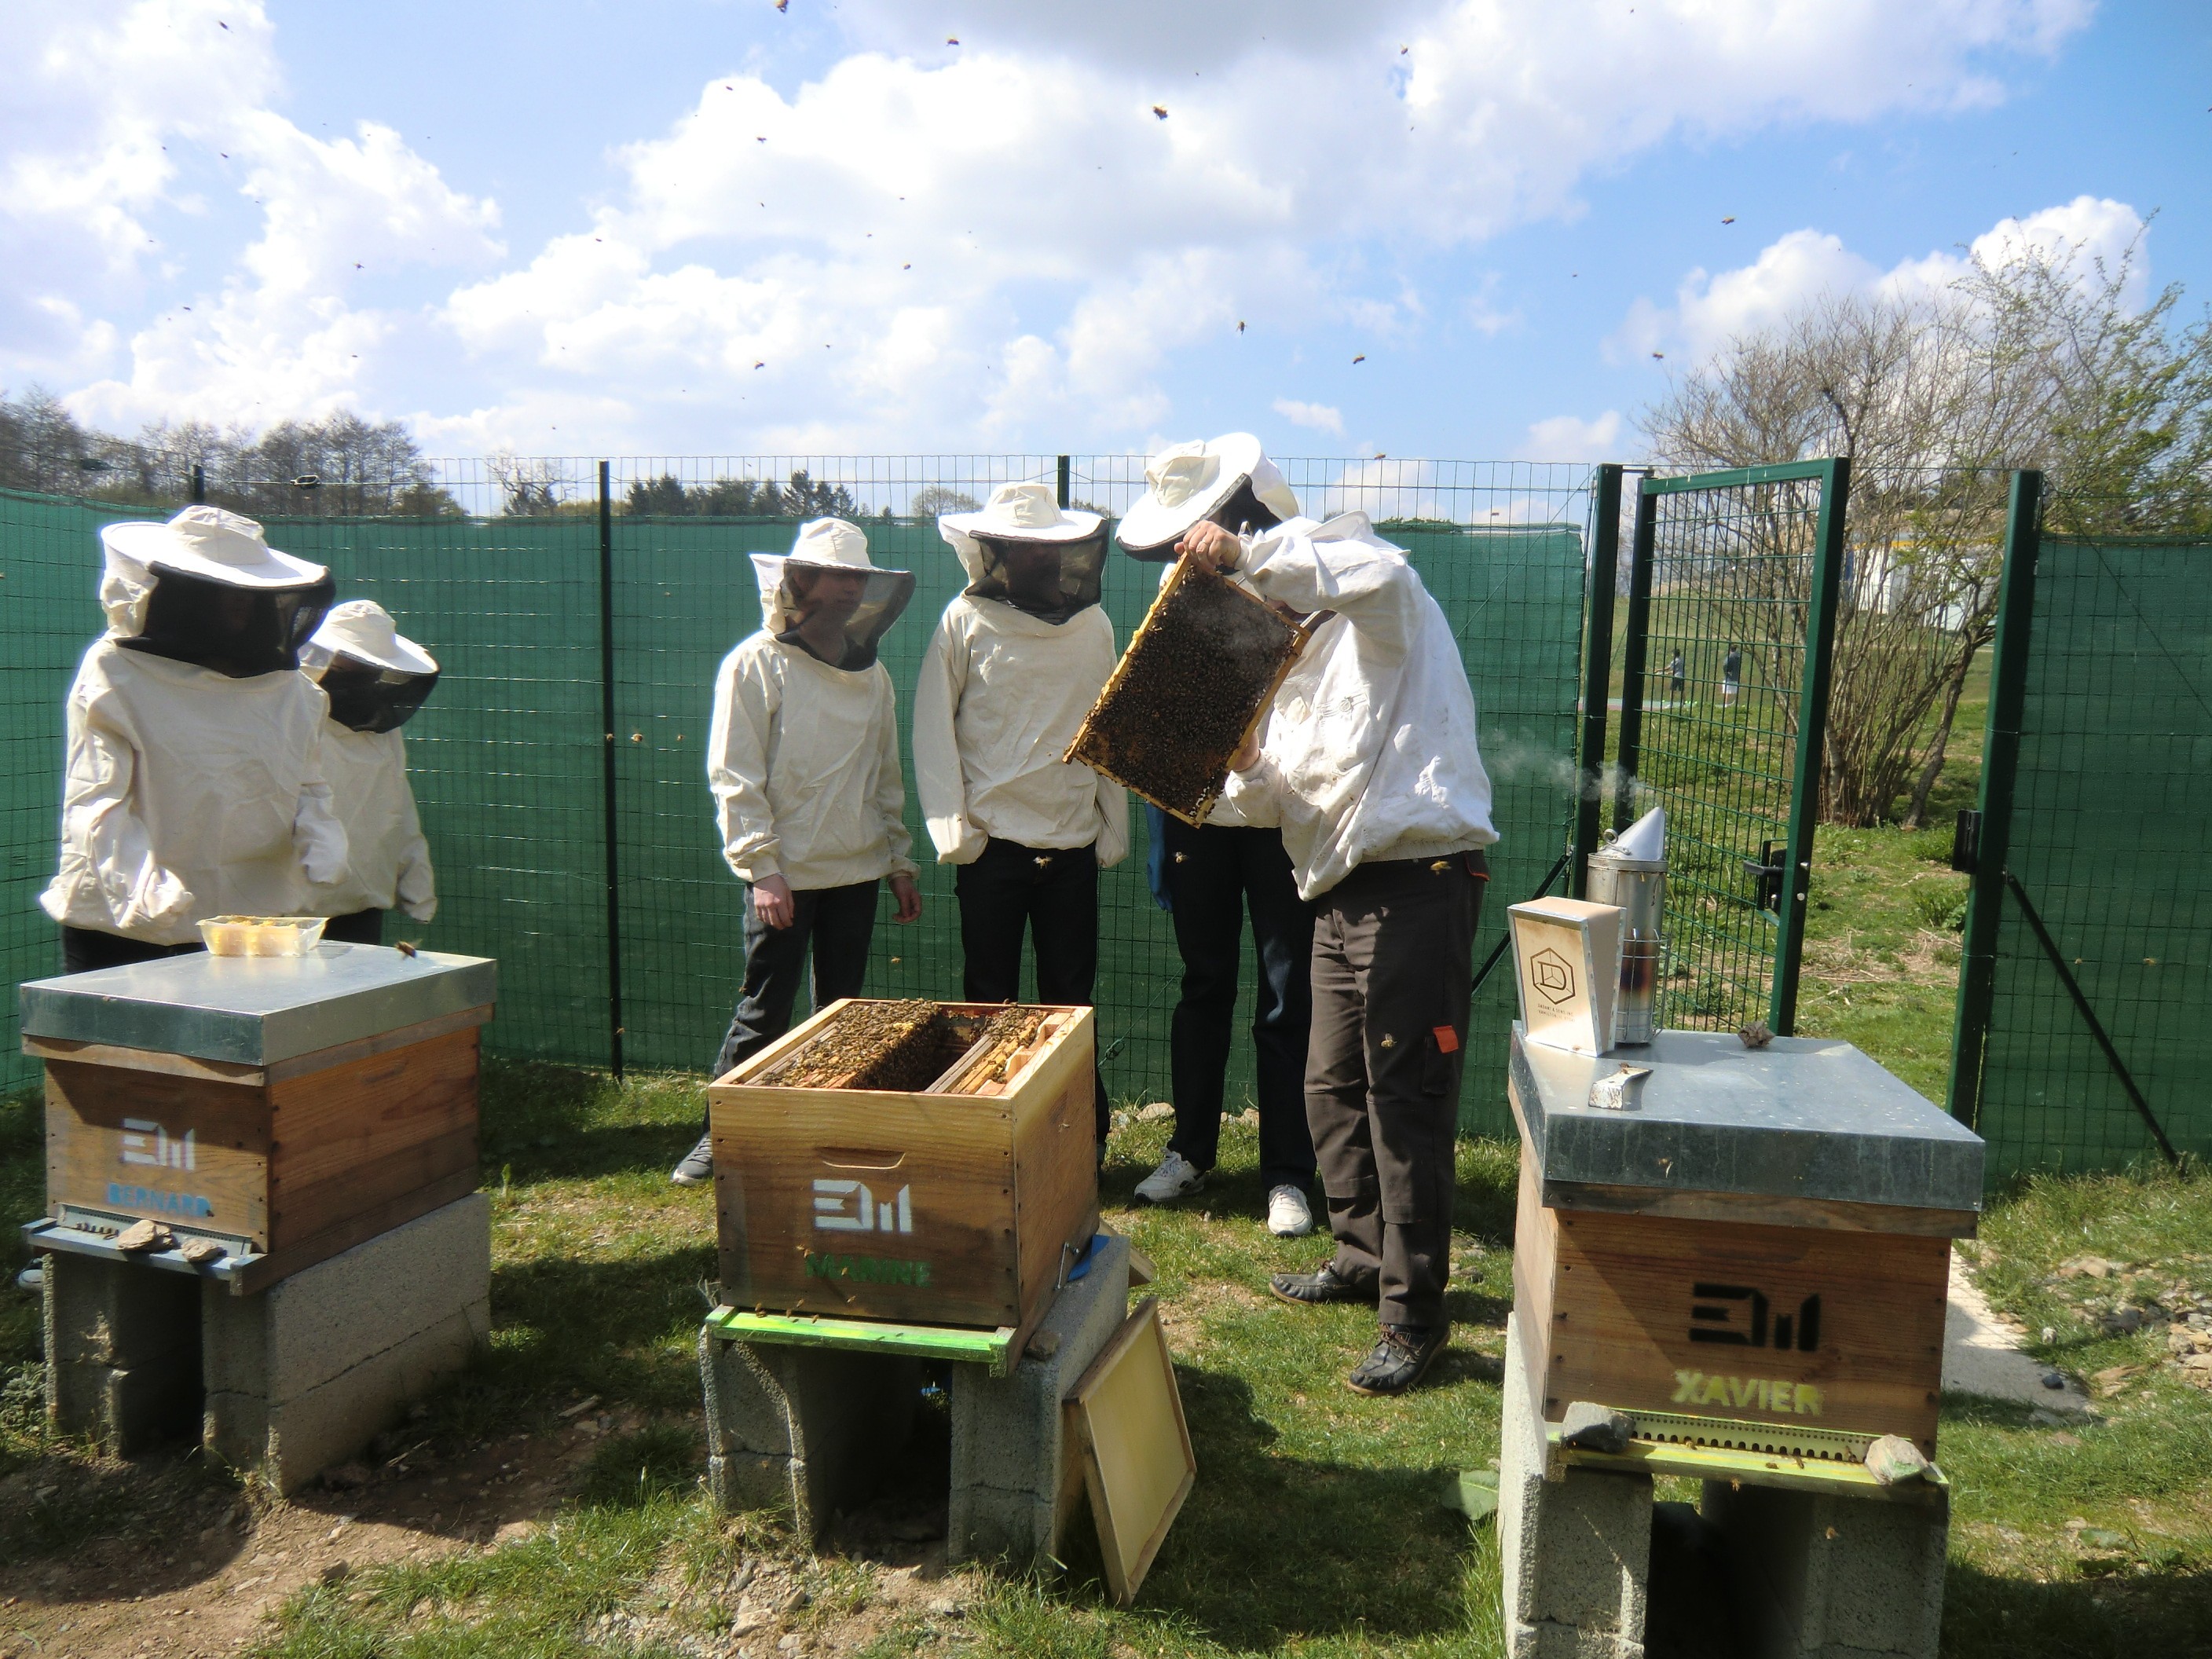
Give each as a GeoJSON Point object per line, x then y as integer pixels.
{"type": "Point", "coordinates": [922, 1162]}
{"type": "Point", "coordinates": [1192, 686]}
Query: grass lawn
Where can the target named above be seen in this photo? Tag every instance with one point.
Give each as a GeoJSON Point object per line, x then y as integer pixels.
{"type": "Point", "coordinates": [549, 1504]}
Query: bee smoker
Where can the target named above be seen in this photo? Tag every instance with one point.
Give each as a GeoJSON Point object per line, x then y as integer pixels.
{"type": "Point", "coordinates": [1632, 872]}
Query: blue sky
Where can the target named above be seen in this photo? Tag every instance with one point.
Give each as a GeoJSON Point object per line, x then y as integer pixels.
{"type": "Point", "coordinates": [576, 228]}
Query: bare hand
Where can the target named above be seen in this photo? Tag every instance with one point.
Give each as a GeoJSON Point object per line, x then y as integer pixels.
{"type": "Point", "coordinates": [1211, 546]}
{"type": "Point", "coordinates": [908, 896]}
{"type": "Point", "coordinates": [772, 901]}
{"type": "Point", "coordinates": [1248, 753]}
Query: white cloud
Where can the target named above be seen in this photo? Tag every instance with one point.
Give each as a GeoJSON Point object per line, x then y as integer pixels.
{"type": "Point", "coordinates": [1804, 266]}
{"type": "Point", "coordinates": [138, 101]}
{"type": "Point", "coordinates": [1321, 417]}
{"type": "Point", "coordinates": [1571, 438]}
{"type": "Point", "coordinates": [958, 246]}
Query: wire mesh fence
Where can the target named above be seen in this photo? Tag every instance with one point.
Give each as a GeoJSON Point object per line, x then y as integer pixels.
{"type": "Point", "coordinates": [1724, 618]}
{"type": "Point", "coordinates": [2107, 835]}
{"type": "Point", "coordinates": [501, 580]}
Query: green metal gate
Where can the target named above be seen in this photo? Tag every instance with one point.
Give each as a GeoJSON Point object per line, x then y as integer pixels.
{"type": "Point", "coordinates": [2082, 1037]}
{"type": "Point", "coordinates": [1722, 684]}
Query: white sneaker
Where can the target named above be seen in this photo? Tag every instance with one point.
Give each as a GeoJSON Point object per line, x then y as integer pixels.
{"type": "Point", "coordinates": [1176, 1176]}
{"type": "Point", "coordinates": [1289, 1215]}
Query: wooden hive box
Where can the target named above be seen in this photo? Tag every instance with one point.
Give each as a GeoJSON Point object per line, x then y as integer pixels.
{"type": "Point", "coordinates": [921, 1207]}
{"type": "Point", "coordinates": [286, 1109]}
{"type": "Point", "coordinates": [1763, 1240]}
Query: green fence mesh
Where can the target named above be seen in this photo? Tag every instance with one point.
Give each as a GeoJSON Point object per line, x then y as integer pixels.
{"type": "Point", "coordinates": [506, 757]}
{"type": "Point", "coordinates": [2109, 816]}
{"type": "Point", "coordinates": [1724, 573]}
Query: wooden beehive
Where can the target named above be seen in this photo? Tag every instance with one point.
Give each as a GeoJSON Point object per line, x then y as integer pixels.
{"type": "Point", "coordinates": [955, 1199]}
{"type": "Point", "coordinates": [1193, 685]}
{"type": "Point", "coordinates": [1704, 1255]}
{"type": "Point", "coordinates": [284, 1158]}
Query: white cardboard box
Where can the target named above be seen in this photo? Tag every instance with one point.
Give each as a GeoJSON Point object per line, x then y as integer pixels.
{"type": "Point", "coordinates": [1566, 955]}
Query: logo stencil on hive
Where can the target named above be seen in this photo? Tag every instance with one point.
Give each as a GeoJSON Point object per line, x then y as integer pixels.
{"type": "Point", "coordinates": [848, 1206]}
{"type": "Point", "coordinates": [1552, 975]}
{"type": "Point", "coordinates": [144, 1141]}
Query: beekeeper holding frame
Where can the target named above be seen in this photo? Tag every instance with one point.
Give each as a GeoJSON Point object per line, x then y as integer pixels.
{"type": "Point", "coordinates": [1212, 875]}
{"type": "Point", "coordinates": [803, 759]}
{"type": "Point", "coordinates": [1016, 660]}
{"type": "Point", "coordinates": [1367, 760]}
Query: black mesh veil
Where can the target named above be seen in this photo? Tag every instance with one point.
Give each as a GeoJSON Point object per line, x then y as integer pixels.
{"type": "Point", "coordinates": [238, 631]}
{"type": "Point", "coordinates": [1050, 581]}
{"type": "Point", "coordinates": [369, 698]}
{"type": "Point", "coordinates": [882, 597]}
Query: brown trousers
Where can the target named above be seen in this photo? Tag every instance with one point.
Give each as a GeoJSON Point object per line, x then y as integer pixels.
{"type": "Point", "coordinates": [1393, 973]}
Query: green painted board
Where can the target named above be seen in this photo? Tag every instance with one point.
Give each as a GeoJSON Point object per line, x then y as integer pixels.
{"type": "Point", "coordinates": [967, 1346]}
{"type": "Point", "coordinates": [1756, 1469]}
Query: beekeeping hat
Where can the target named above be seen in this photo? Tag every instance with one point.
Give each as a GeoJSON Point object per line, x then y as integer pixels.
{"type": "Point", "coordinates": [1024, 549]}
{"type": "Point", "coordinates": [787, 581]}
{"type": "Point", "coordinates": [376, 677]}
{"type": "Point", "coordinates": [161, 586]}
{"type": "Point", "coordinates": [1196, 481]}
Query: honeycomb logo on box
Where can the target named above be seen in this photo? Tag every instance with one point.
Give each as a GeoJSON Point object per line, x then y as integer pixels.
{"type": "Point", "coordinates": [848, 1206]}
{"type": "Point", "coordinates": [1552, 976]}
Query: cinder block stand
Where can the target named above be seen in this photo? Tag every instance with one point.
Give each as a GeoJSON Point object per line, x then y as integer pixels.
{"type": "Point", "coordinates": [1810, 1575]}
{"type": "Point", "coordinates": [285, 1380]}
{"type": "Point", "coordinates": [812, 1426]}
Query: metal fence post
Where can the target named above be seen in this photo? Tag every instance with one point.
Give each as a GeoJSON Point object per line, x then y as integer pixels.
{"type": "Point", "coordinates": [607, 722]}
{"type": "Point", "coordinates": [2009, 658]}
{"type": "Point", "coordinates": [199, 484]}
{"type": "Point", "coordinates": [1812, 739]}
{"type": "Point", "coordinates": [1065, 473]}
{"type": "Point", "coordinates": [1597, 668]}
{"type": "Point", "coordinates": [1642, 550]}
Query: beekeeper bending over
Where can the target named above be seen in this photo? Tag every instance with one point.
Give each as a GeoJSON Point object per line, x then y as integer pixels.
{"type": "Point", "coordinates": [803, 758]}
{"type": "Point", "coordinates": [376, 678]}
{"type": "Point", "coordinates": [1368, 762]}
{"type": "Point", "coordinates": [1014, 666]}
{"type": "Point", "coordinates": [194, 786]}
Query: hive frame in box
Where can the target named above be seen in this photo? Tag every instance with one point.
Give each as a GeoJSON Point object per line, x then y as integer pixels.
{"type": "Point", "coordinates": [1082, 751]}
{"type": "Point", "coordinates": [992, 1191]}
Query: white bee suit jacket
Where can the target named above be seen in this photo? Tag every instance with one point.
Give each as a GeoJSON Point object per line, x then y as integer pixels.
{"type": "Point", "coordinates": [1001, 695]}
{"type": "Point", "coordinates": [1369, 753]}
{"type": "Point", "coordinates": [189, 794]}
{"type": "Point", "coordinates": [387, 859]}
{"type": "Point", "coordinates": [804, 762]}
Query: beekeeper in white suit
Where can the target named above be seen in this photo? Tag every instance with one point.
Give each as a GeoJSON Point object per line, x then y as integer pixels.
{"type": "Point", "coordinates": [1016, 663]}
{"type": "Point", "coordinates": [803, 759]}
{"type": "Point", "coordinates": [376, 678]}
{"type": "Point", "coordinates": [1368, 760]}
{"type": "Point", "coordinates": [194, 784]}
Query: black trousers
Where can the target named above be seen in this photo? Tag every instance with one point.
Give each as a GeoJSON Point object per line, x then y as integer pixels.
{"type": "Point", "coordinates": [84, 949]}
{"type": "Point", "coordinates": [1215, 874]}
{"type": "Point", "coordinates": [838, 923]}
{"type": "Point", "coordinates": [1393, 985]}
{"type": "Point", "coordinates": [361, 927]}
{"type": "Point", "coordinates": [1051, 894]}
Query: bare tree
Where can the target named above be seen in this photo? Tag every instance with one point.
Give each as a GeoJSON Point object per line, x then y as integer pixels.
{"type": "Point", "coordinates": [2034, 361]}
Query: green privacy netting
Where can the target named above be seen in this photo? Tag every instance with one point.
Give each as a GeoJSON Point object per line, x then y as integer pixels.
{"type": "Point", "coordinates": [507, 760]}
{"type": "Point", "coordinates": [2108, 831]}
